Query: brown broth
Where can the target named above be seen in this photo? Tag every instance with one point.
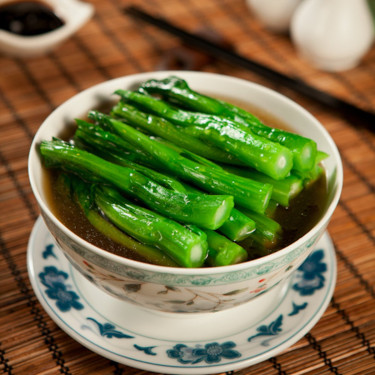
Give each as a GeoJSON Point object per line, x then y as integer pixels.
{"type": "Point", "coordinates": [296, 220]}
{"type": "Point", "coordinates": [71, 215]}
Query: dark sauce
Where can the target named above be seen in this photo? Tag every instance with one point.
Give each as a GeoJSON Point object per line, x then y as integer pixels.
{"type": "Point", "coordinates": [296, 220]}
{"type": "Point", "coordinates": [303, 213]}
{"type": "Point", "coordinates": [28, 18]}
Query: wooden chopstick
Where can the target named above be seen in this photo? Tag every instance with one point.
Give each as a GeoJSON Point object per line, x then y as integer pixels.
{"type": "Point", "coordinates": [355, 115]}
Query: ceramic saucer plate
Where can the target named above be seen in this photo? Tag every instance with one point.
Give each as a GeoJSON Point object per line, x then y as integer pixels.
{"type": "Point", "coordinates": [172, 343]}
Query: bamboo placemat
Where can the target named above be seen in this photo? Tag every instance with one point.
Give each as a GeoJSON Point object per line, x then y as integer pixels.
{"type": "Point", "coordinates": [113, 45]}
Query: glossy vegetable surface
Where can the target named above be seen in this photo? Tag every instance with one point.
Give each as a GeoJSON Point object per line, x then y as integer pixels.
{"type": "Point", "coordinates": [185, 179]}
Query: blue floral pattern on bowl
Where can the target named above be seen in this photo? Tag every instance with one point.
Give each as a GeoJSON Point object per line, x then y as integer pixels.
{"type": "Point", "coordinates": [60, 291]}
{"type": "Point", "coordinates": [185, 293]}
{"type": "Point", "coordinates": [309, 279]}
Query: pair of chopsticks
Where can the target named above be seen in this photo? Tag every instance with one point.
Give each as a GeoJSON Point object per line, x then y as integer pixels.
{"type": "Point", "coordinates": [355, 115]}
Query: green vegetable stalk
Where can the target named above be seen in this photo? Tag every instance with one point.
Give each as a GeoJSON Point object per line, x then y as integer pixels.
{"type": "Point", "coordinates": [207, 211]}
{"type": "Point", "coordinates": [186, 247]}
{"type": "Point", "coordinates": [267, 233]}
{"type": "Point", "coordinates": [223, 252]}
{"type": "Point", "coordinates": [115, 152]}
{"type": "Point", "coordinates": [312, 175]}
{"type": "Point", "coordinates": [178, 91]}
{"type": "Point", "coordinates": [283, 191]}
{"type": "Point", "coordinates": [255, 151]}
{"type": "Point", "coordinates": [161, 127]}
{"type": "Point", "coordinates": [84, 196]}
{"type": "Point", "coordinates": [246, 193]}
{"type": "Point", "coordinates": [236, 227]}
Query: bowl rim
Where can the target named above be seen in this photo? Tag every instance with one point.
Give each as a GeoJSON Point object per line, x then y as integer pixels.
{"type": "Point", "coordinates": [180, 270]}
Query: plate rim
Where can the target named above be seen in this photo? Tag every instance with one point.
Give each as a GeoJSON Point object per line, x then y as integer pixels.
{"type": "Point", "coordinates": [237, 364]}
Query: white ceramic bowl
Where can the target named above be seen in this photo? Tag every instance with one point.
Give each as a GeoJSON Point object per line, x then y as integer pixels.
{"type": "Point", "coordinates": [178, 289]}
{"type": "Point", "coordinates": [74, 13]}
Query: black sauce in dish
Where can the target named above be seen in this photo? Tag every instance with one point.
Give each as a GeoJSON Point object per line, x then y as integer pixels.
{"type": "Point", "coordinates": [28, 18]}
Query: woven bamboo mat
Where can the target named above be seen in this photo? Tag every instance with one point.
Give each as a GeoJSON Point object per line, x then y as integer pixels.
{"type": "Point", "coordinates": [113, 45]}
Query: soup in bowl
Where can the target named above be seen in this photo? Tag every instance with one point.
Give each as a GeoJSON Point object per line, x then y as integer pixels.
{"type": "Point", "coordinates": [206, 278]}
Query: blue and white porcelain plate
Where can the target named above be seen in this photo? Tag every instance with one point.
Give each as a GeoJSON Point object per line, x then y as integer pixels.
{"type": "Point", "coordinates": [172, 343]}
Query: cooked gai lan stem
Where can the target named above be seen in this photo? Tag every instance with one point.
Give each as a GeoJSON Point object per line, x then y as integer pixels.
{"type": "Point", "coordinates": [177, 91]}
{"type": "Point", "coordinates": [181, 178]}
{"type": "Point", "coordinates": [248, 193]}
{"type": "Point", "coordinates": [208, 211]}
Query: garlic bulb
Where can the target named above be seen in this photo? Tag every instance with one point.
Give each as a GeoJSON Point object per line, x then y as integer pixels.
{"type": "Point", "coordinates": [274, 14]}
{"type": "Point", "coordinates": [332, 34]}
